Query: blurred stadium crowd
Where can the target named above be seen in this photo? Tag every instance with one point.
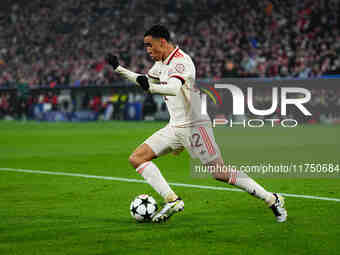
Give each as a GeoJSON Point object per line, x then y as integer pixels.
{"type": "Point", "coordinates": [52, 43]}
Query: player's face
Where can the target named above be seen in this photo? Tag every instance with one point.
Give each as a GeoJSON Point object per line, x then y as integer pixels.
{"type": "Point", "coordinates": [154, 47]}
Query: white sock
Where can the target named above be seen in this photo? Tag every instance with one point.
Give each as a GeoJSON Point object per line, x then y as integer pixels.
{"type": "Point", "coordinates": [153, 176]}
{"type": "Point", "coordinates": [243, 181]}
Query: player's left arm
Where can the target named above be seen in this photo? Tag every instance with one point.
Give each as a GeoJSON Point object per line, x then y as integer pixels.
{"type": "Point", "coordinates": [127, 74]}
{"type": "Point", "coordinates": [177, 75]}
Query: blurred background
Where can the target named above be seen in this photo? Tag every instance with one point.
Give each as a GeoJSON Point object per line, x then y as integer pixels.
{"type": "Point", "coordinates": [52, 53]}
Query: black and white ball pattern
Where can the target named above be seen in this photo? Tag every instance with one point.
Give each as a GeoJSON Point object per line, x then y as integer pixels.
{"type": "Point", "coordinates": [143, 208]}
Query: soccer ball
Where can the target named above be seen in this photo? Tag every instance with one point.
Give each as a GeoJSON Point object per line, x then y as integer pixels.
{"type": "Point", "coordinates": [143, 208]}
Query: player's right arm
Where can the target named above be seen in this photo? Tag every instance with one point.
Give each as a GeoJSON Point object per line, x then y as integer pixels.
{"type": "Point", "coordinates": [172, 87]}
{"type": "Point", "coordinates": [127, 74]}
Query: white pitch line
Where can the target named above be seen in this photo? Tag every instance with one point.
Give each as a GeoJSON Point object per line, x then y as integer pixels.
{"type": "Point", "coordinates": [142, 181]}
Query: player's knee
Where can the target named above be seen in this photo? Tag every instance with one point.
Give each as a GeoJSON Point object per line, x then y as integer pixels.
{"type": "Point", "coordinates": [133, 160]}
{"type": "Point", "coordinates": [218, 176]}
{"type": "Point", "coordinates": [136, 160]}
{"type": "Point", "coordinates": [141, 155]}
{"type": "Point", "coordinates": [221, 175]}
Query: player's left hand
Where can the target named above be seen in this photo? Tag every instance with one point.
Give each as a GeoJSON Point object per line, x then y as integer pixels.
{"type": "Point", "coordinates": [142, 80]}
{"type": "Point", "coordinates": [112, 60]}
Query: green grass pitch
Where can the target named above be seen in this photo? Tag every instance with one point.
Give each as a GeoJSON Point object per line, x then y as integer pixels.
{"type": "Point", "coordinates": [50, 214]}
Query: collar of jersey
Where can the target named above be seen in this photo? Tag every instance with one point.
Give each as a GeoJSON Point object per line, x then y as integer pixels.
{"type": "Point", "coordinates": [171, 56]}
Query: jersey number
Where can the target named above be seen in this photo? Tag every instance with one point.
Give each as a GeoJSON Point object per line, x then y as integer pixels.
{"type": "Point", "coordinates": [195, 140]}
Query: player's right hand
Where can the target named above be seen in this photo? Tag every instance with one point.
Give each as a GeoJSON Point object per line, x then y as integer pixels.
{"type": "Point", "coordinates": [112, 60]}
{"type": "Point", "coordinates": [142, 80]}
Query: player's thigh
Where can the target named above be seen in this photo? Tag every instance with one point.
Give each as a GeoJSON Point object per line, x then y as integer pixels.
{"type": "Point", "coordinates": [200, 143]}
{"type": "Point", "coordinates": [164, 141]}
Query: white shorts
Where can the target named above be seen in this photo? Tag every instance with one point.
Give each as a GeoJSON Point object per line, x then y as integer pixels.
{"type": "Point", "coordinates": [198, 140]}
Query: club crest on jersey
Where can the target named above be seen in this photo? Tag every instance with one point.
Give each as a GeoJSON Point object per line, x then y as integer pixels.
{"type": "Point", "coordinates": [180, 68]}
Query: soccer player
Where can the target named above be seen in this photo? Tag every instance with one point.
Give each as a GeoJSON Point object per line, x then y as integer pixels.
{"type": "Point", "coordinates": [173, 76]}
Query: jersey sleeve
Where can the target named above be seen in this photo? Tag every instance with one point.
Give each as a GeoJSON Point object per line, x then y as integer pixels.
{"type": "Point", "coordinates": [182, 70]}
{"type": "Point", "coordinates": [127, 74]}
{"type": "Point", "coordinates": [153, 73]}
{"type": "Point", "coordinates": [172, 88]}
